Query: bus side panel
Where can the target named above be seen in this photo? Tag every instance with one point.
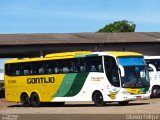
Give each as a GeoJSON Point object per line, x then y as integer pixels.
{"type": "Point", "coordinates": [92, 82]}
{"type": "Point", "coordinates": [15, 86]}
{"type": "Point", "coordinates": [49, 90]}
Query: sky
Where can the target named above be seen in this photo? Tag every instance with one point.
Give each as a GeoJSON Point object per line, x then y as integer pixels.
{"type": "Point", "coordinates": [71, 16]}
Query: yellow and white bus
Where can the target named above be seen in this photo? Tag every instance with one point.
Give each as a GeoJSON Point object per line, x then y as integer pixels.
{"type": "Point", "coordinates": [77, 76]}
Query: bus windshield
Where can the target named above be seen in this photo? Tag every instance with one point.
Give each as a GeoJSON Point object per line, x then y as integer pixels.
{"type": "Point", "coordinates": [135, 72]}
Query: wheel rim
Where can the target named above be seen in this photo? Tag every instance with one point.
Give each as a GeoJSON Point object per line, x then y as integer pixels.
{"type": "Point", "coordinates": [155, 92]}
{"type": "Point", "coordinates": [98, 99]}
{"type": "Point", "coordinates": [35, 100]}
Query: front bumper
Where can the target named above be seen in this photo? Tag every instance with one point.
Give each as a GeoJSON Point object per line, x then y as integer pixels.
{"type": "Point", "coordinates": [133, 97]}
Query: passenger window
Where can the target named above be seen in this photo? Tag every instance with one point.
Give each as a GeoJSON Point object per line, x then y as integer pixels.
{"type": "Point", "coordinates": [73, 67]}
{"type": "Point", "coordinates": [26, 72]}
{"type": "Point", "coordinates": [26, 69]}
{"type": "Point", "coordinates": [154, 62]}
{"type": "Point", "coordinates": [56, 70]}
{"type": "Point", "coordinates": [65, 70]}
{"type": "Point", "coordinates": [80, 65]}
{"type": "Point", "coordinates": [94, 64]}
{"type": "Point", "coordinates": [41, 71]}
{"type": "Point", "coordinates": [93, 68]}
{"type": "Point", "coordinates": [49, 71]}
{"type": "Point", "coordinates": [38, 68]}
{"type": "Point", "coordinates": [100, 69]}
{"type": "Point", "coordinates": [82, 69]}
{"type": "Point", "coordinates": [17, 72]}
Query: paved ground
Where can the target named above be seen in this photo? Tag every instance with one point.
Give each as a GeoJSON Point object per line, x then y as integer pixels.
{"type": "Point", "coordinates": [141, 106]}
{"type": "Point", "coordinates": [136, 107]}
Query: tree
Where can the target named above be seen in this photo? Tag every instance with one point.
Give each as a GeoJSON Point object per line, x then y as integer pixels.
{"type": "Point", "coordinates": [119, 26]}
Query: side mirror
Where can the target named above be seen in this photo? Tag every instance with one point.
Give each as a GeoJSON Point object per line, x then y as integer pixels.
{"type": "Point", "coordinates": [153, 68]}
{"type": "Point", "coordinates": [122, 70]}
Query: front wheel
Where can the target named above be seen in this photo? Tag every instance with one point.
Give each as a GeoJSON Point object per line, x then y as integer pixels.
{"type": "Point", "coordinates": [35, 101]}
{"type": "Point", "coordinates": [123, 103]}
{"type": "Point", "coordinates": [155, 92]}
{"type": "Point", "coordinates": [98, 99]}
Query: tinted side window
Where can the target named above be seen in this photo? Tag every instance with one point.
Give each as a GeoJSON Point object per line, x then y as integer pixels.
{"type": "Point", "coordinates": [111, 70]}
{"type": "Point", "coordinates": [157, 64]}
{"type": "Point", "coordinates": [75, 65]}
{"type": "Point", "coordinates": [51, 67]}
{"type": "Point", "coordinates": [149, 62]}
{"type": "Point", "coordinates": [26, 69]}
{"type": "Point", "coordinates": [38, 68]}
{"type": "Point", "coordinates": [67, 66]}
{"type": "Point", "coordinates": [13, 69]}
{"type": "Point", "coordinates": [94, 64]}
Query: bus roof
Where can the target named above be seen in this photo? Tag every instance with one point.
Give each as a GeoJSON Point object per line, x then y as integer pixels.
{"type": "Point", "coordinates": [76, 54]}
{"type": "Point", "coordinates": [152, 57]}
{"type": "Point", "coordinates": [52, 56]}
{"type": "Point", "coordinates": [67, 54]}
{"type": "Point", "coordinates": [119, 54]}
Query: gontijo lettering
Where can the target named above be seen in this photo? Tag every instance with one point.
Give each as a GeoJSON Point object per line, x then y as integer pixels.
{"type": "Point", "coordinates": [40, 80]}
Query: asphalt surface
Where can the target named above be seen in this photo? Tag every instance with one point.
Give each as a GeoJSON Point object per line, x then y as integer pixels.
{"type": "Point", "coordinates": [83, 110]}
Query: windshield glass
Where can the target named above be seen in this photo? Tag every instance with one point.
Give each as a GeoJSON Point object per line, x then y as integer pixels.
{"type": "Point", "coordinates": [130, 61]}
{"type": "Point", "coordinates": [135, 72]}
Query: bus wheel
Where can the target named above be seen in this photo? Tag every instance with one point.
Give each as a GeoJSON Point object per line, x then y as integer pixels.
{"type": "Point", "coordinates": [25, 100]}
{"type": "Point", "coordinates": [123, 103]}
{"type": "Point", "coordinates": [98, 99]}
{"type": "Point", "coordinates": [35, 101]}
{"type": "Point", "coordinates": [155, 92]}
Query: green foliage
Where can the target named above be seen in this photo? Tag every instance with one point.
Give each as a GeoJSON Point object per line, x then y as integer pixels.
{"type": "Point", "coordinates": [119, 26]}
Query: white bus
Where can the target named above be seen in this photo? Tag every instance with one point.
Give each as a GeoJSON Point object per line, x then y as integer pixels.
{"type": "Point", "coordinates": [154, 73]}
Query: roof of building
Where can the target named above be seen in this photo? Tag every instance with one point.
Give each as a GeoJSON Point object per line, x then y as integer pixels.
{"type": "Point", "coordinates": [74, 38]}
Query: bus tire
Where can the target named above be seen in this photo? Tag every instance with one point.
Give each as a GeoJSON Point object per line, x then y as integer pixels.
{"type": "Point", "coordinates": [123, 103]}
{"type": "Point", "coordinates": [155, 92]}
{"type": "Point", "coordinates": [98, 98]}
{"type": "Point", "coordinates": [35, 100]}
{"type": "Point", "coordinates": [25, 101]}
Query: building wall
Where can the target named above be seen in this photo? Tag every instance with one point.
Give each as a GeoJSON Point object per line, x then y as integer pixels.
{"type": "Point", "coordinates": [37, 50]}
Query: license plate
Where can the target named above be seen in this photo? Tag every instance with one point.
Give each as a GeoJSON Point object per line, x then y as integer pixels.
{"type": "Point", "coordinates": [138, 97]}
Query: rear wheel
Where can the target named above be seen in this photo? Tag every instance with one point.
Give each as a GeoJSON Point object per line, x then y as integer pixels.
{"type": "Point", "coordinates": [35, 101]}
{"type": "Point", "coordinates": [123, 103]}
{"type": "Point", "coordinates": [98, 99]}
{"type": "Point", "coordinates": [25, 100]}
{"type": "Point", "coordinates": [155, 92]}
